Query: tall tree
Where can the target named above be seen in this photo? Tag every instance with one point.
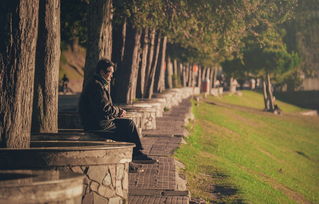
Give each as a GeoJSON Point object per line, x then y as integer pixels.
{"type": "Point", "coordinates": [45, 103]}
{"type": "Point", "coordinates": [99, 41]}
{"type": "Point", "coordinates": [142, 67]}
{"type": "Point", "coordinates": [149, 86]}
{"type": "Point", "coordinates": [169, 74]}
{"type": "Point", "coordinates": [18, 32]}
{"type": "Point", "coordinates": [127, 71]}
{"type": "Point", "coordinates": [159, 85]}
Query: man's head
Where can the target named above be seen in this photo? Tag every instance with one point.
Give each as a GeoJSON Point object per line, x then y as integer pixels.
{"type": "Point", "coordinates": [105, 68]}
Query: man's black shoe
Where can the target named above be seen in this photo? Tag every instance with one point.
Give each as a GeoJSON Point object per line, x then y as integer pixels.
{"type": "Point", "coordinates": [134, 168]}
{"type": "Point", "coordinates": [142, 158]}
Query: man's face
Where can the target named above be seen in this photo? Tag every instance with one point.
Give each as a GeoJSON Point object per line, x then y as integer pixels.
{"type": "Point", "coordinates": [108, 74]}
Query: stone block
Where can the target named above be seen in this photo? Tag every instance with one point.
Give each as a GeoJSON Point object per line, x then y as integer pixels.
{"type": "Point", "coordinates": [77, 169]}
{"type": "Point", "coordinates": [125, 182]}
{"type": "Point", "coordinates": [99, 199]}
{"type": "Point", "coordinates": [119, 171]}
{"type": "Point", "coordinates": [97, 173]}
{"type": "Point", "coordinates": [119, 190]}
{"type": "Point", "coordinates": [107, 180]}
{"type": "Point", "coordinates": [112, 170]}
{"type": "Point", "coordinates": [94, 186]}
{"type": "Point", "coordinates": [115, 200]}
{"type": "Point", "coordinates": [106, 191]}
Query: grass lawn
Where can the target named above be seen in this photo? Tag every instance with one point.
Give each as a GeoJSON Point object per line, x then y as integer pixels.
{"type": "Point", "coordinates": [236, 153]}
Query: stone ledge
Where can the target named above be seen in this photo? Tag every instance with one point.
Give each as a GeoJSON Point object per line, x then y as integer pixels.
{"type": "Point", "coordinates": [36, 186]}
{"type": "Point", "coordinates": [77, 153]}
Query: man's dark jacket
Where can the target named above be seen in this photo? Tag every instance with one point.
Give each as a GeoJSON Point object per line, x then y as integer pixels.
{"type": "Point", "coordinates": [95, 106]}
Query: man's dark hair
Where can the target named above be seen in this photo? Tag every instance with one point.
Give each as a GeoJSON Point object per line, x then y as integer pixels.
{"type": "Point", "coordinates": [103, 65]}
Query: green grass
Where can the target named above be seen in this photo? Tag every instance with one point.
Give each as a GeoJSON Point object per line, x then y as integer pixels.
{"type": "Point", "coordinates": [236, 153]}
{"type": "Point", "coordinates": [255, 100]}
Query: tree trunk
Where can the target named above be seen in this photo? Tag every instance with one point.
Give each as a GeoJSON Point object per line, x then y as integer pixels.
{"type": "Point", "coordinates": [18, 34]}
{"type": "Point", "coordinates": [127, 71]}
{"type": "Point", "coordinates": [191, 76]}
{"type": "Point", "coordinates": [199, 77]}
{"type": "Point", "coordinates": [118, 48]}
{"type": "Point", "coordinates": [150, 85]}
{"type": "Point", "coordinates": [269, 93]}
{"type": "Point", "coordinates": [184, 76]}
{"type": "Point", "coordinates": [46, 81]}
{"type": "Point", "coordinates": [118, 45]}
{"type": "Point", "coordinates": [175, 74]}
{"type": "Point", "coordinates": [169, 73]}
{"type": "Point", "coordinates": [134, 77]}
{"type": "Point", "coordinates": [160, 71]}
{"type": "Point", "coordinates": [265, 95]}
{"type": "Point", "coordinates": [99, 42]}
{"type": "Point", "coordinates": [187, 75]}
{"type": "Point", "coordinates": [232, 86]}
{"type": "Point", "coordinates": [213, 77]}
{"type": "Point", "coordinates": [141, 72]}
{"type": "Point", "coordinates": [150, 58]}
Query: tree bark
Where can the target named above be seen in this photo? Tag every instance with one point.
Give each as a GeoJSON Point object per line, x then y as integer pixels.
{"type": "Point", "coordinates": [190, 75]}
{"type": "Point", "coordinates": [150, 83]}
{"type": "Point", "coordinates": [265, 95]}
{"type": "Point", "coordinates": [18, 34]}
{"type": "Point", "coordinates": [152, 36]}
{"type": "Point", "coordinates": [187, 75]}
{"type": "Point", "coordinates": [99, 42]}
{"type": "Point", "coordinates": [174, 77]}
{"type": "Point", "coordinates": [184, 75]}
{"type": "Point", "coordinates": [141, 72]}
{"type": "Point", "coordinates": [118, 45]}
{"type": "Point", "coordinates": [160, 71]}
{"type": "Point", "coordinates": [169, 73]}
{"type": "Point", "coordinates": [269, 93]}
{"type": "Point", "coordinates": [213, 77]}
{"type": "Point", "coordinates": [126, 72]}
{"type": "Point", "coordinates": [136, 63]}
{"type": "Point", "coordinates": [46, 80]}
{"type": "Point", "coordinates": [199, 77]}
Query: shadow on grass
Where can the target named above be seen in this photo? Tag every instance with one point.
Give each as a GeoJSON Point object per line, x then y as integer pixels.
{"type": "Point", "coordinates": [223, 191]}
{"type": "Point", "coordinates": [304, 99]}
{"type": "Point", "coordinates": [303, 155]}
{"type": "Point", "coordinates": [227, 194]}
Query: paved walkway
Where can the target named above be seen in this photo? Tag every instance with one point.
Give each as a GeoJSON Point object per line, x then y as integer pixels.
{"type": "Point", "coordinates": [158, 183]}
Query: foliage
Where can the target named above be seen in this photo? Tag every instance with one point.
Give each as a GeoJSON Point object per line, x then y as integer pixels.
{"type": "Point", "coordinates": [73, 22]}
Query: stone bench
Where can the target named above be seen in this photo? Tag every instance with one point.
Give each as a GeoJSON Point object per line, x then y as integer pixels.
{"type": "Point", "coordinates": [104, 165]}
{"type": "Point", "coordinates": [40, 187]}
{"type": "Point", "coordinates": [150, 104]}
{"type": "Point", "coordinates": [148, 120]}
{"type": "Point", "coordinates": [71, 120]}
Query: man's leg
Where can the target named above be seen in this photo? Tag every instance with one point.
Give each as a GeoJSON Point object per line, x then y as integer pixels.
{"type": "Point", "coordinates": [126, 131]}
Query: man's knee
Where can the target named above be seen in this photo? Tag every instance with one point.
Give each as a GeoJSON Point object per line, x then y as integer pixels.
{"type": "Point", "coordinates": [125, 122]}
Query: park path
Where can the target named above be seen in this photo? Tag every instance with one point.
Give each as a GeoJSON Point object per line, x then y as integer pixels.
{"type": "Point", "coordinates": [160, 182]}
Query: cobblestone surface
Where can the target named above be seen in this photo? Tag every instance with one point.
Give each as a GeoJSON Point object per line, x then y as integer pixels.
{"type": "Point", "coordinates": [160, 177]}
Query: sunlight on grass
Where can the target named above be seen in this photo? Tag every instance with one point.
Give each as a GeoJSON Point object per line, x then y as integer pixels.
{"type": "Point", "coordinates": [236, 154]}
{"type": "Point", "coordinates": [255, 100]}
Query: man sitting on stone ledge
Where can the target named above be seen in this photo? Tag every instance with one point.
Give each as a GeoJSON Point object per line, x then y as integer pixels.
{"type": "Point", "coordinates": [99, 115]}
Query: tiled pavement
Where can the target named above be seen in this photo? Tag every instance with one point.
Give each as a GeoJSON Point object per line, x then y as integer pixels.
{"type": "Point", "coordinates": [157, 184]}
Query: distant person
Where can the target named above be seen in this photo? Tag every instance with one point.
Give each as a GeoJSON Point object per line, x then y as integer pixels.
{"type": "Point", "coordinates": [277, 110]}
{"type": "Point", "coordinates": [65, 83]}
{"type": "Point", "coordinates": [99, 115]}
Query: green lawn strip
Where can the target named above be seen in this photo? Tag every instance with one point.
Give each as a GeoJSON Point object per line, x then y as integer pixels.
{"type": "Point", "coordinates": [254, 99]}
{"type": "Point", "coordinates": [267, 157]}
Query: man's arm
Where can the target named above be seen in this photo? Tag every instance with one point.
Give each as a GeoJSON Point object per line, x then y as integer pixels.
{"type": "Point", "coordinates": [103, 104]}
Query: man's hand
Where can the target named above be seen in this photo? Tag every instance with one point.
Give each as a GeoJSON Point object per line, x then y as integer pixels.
{"type": "Point", "coordinates": [122, 113]}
